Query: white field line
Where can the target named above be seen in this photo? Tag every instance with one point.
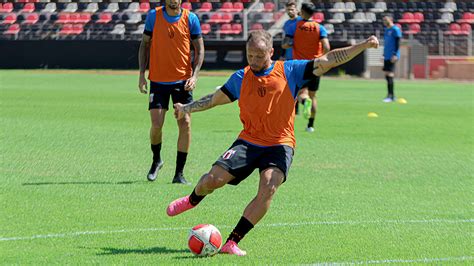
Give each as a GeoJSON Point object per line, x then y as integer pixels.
{"type": "Point", "coordinates": [397, 261]}
{"type": "Point", "coordinates": [102, 232]}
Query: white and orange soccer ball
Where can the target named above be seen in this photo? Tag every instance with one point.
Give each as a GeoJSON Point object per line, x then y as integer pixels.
{"type": "Point", "coordinates": [204, 240]}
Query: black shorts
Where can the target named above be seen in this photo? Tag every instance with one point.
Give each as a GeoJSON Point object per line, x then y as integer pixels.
{"type": "Point", "coordinates": [160, 95]}
{"type": "Point", "coordinates": [313, 84]}
{"type": "Point", "coordinates": [388, 66]}
{"type": "Point", "coordinates": [242, 158]}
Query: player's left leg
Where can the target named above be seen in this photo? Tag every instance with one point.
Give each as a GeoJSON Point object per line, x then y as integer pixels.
{"type": "Point", "coordinates": [179, 95]}
{"type": "Point", "coordinates": [274, 165]}
{"type": "Point", "coordinates": [303, 98]}
{"type": "Point", "coordinates": [270, 179]}
{"type": "Point", "coordinates": [313, 87]}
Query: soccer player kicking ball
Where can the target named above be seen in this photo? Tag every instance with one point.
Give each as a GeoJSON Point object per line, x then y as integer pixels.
{"type": "Point", "coordinates": [266, 91]}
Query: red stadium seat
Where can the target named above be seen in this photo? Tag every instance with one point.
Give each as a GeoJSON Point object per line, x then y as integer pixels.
{"type": "Point", "coordinates": [205, 28]}
{"type": "Point", "coordinates": [215, 18]}
{"type": "Point", "coordinates": [66, 29]}
{"type": "Point", "coordinates": [454, 29]}
{"type": "Point", "coordinates": [31, 18]}
{"type": "Point", "coordinates": [227, 18]}
{"type": "Point", "coordinates": [28, 8]}
{"type": "Point", "coordinates": [318, 17]}
{"type": "Point", "coordinates": [407, 18]}
{"type": "Point", "coordinates": [226, 29]}
{"type": "Point", "coordinates": [13, 29]}
{"type": "Point", "coordinates": [74, 18]}
{"type": "Point", "coordinates": [418, 17]}
{"type": "Point", "coordinates": [269, 6]}
{"type": "Point", "coordinates": [467, 17]}
{"type": "Point", "coordinates": [104, 18]}
{"type": "Point", "coordinates": [466, 28]}
{"type": "Point", "coordinates": [144, 7]}
{"type": "Point", "coordinates": [205, 7]}
{"type": "Point", "coordinates": [227, 7]}
{"type": "Point", "coordinates": [9, 19]}
{"type": "Point", "coordinates": [70, 29]}
{"type": "Point", "coordinates": [7, 7]}
{"type": "Point", "coordinates": [63, 18]}
{"type": "Point", "coordinates": [77, 29]}
{"type": "Point", "coordinates": [238, 7]}
{"type": "Point", "coordinates": [237, 28]}
{"type": "Point", "coordinates": [414, 29]}
{"type": "Point", "coordinates": [256, 26]}
{"type": "Point", "coordinates": [84, 18]}
{"type": "Point", "coordinates": [187, 5]}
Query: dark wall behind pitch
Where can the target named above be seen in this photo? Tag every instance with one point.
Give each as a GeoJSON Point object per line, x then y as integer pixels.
{"type": "Point", "coordinates": [124, 55]}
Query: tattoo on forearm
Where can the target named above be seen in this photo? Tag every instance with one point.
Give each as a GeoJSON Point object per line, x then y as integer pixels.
{"type": "Point", "coordinates": [340, 56]}
{"type": "Point", "coordinates": [199, 105]}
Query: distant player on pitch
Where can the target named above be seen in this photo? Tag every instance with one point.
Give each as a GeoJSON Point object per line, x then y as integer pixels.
{"type": "Point", "coordinates": [309, 40]}
{"type": "Point", "coordinates": [391, 54]}
{"type": "Point", "coordinates": [266, 91]}
{"type": "Point", "coordinates": [166, 44]}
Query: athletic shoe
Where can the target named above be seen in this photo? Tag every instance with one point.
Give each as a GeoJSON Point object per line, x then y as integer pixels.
{"type": "Point", "coordinates": [310, 129]}
{"type": "Point", "coordinates": [179, 179]}
{"type": "Point", "coordinates": [231, 247]}
{"type": "Point", "coordinates": [154, 169]}
{"type": "Point", "coordinates": [178, 206]}
{"type": "Point", "coordinates": [388, 100]}
{"type": "Point", "coordinates": [308, 104]}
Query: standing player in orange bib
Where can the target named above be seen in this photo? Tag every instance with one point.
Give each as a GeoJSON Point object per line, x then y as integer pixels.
{"type": "Point", "coordinates": [308, 40]}
{"type": "Point", "coordinates": [166, 45]}
{"type": "Point", "coordinates": [266, 92]}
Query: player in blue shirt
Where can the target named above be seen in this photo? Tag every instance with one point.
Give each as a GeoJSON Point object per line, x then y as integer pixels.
{"type": "Point", "coordinates": [391, 54]}
{"type": "Point", "coordinates": [292, 13]}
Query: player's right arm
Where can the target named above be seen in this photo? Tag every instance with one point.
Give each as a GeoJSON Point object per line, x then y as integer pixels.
{"type": "Point", "coordinates": [143, 57]}
{"type": "Point", "coordinates": [206, 102]}
{"type": "Point", "coordinates": [144, 51]}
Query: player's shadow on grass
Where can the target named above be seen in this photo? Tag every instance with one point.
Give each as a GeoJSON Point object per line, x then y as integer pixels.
{"type": "Point", "coordinates": [83, 183]}
{"type": "Point", "coordinates": [121, 251]}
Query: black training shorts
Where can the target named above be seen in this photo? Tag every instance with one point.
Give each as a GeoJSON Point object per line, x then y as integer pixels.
{"type": "Point", "coordinates": [313, 84]}
{"type": "Point", "coordinates": [242, 158]}
{"type": "Point", "coordinates": [160, 95]}
{"type": "Point", "coordinates": [388, 66]}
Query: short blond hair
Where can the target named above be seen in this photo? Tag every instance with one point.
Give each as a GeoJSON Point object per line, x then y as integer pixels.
{"type": "Point", "coordinates": [256, 36]}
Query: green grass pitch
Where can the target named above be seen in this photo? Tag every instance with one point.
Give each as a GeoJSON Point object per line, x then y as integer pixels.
{"type": "Point", "coordinates": [393, 189]}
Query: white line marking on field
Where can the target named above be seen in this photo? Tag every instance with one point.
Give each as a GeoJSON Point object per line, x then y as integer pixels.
{"type": "Point", "coordinates": [74, 234]}
{"type": "Point", "coordinates": [423, 260]}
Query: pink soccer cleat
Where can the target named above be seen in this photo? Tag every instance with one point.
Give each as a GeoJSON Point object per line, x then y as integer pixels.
{"type": "Point", "coordinates": [178, 206]}
{"type": "Point", "coordinates": [231, 247]}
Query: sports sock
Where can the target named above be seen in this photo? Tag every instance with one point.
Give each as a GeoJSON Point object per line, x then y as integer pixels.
{"type": "Point", "coordinates": [389, 86]}
{"type": "Point", "coordinates": [180, 162]}
{"type": "Point", "coordinates": [311, 122]}
{"type": "Point", "coordinates": [242, 228]}
{"type": "Point", "coordinates": [194, 199]}
{"type": "Point", "coordinates": [156, 149]}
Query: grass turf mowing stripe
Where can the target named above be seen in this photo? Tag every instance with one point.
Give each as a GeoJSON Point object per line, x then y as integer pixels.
{"type": "Point", "coordinates": [388, 261]}
{"type": "Point", "coordinates": [73, 234]}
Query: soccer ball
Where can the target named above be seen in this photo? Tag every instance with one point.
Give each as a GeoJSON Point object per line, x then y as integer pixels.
{"type": "Point", "coordinates": [204, 240]}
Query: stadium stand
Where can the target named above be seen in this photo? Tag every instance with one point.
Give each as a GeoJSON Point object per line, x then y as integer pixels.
{"type": "Point", "coordinates": [123, 19]}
